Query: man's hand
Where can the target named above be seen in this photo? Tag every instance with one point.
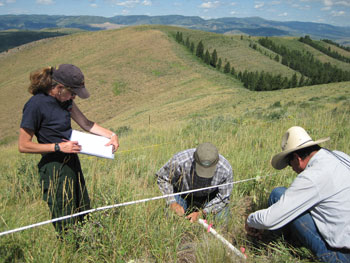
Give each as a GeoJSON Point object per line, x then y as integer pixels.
{"type": "Point", "coordinates": [253, 231]}
{"type": "Point", "coordinates": [178, 209]}
{"type": "Point", "coordinates": [193, 217]}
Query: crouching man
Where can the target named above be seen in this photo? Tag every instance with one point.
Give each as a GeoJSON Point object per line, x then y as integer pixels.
{"type": "Point", "coordinates": [194, 169]}
{"type": "Point", "coordinates": [316, 206]}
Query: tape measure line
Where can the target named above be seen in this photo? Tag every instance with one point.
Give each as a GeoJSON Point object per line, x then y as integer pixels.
{"type": "Point", "coordinates": [122, 204]}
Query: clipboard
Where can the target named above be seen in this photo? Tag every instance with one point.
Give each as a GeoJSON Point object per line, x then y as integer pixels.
{"type": "Point", "coordinates": [93, 144]}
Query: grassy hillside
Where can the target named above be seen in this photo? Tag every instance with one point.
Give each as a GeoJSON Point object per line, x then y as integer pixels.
{"type": "Point", "coordinates": [236, 50]}
{"type": "Point", "coordinates": [161, 100]}
{"type": "Point", "coordinates": [14, 38]}
{"type": "Point", "coordinates": [293, 43]}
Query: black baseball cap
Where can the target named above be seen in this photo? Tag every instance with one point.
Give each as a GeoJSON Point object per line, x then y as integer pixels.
{"type": "Point", "coordinates": [72, 77]}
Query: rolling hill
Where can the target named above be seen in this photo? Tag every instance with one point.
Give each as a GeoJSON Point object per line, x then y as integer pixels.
{"type": "Point", "coordinates": [254, 26]}
{"type": "Point", "coordinates": [131, 60]}
{"type": "Point", "coordinates": [160, 99]}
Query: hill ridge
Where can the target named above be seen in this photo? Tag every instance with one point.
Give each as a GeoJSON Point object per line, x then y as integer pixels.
{"type": "Point", "coordinates": [250, 25]}
{"type": "Point", "coordinates": [133, 75]}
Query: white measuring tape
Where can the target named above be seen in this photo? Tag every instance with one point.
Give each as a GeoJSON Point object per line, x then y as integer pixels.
{"type": "Point", "coordinates": [120, 205]}
{"type": "Point", "coordinates": [223, 240]}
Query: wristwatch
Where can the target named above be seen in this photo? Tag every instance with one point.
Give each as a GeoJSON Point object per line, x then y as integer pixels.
{"type": "Point", "coordinates": [57, 147]}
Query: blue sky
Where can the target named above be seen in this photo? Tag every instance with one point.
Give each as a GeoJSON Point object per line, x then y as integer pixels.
{"type": "Point", "coordinates": [335, 12]}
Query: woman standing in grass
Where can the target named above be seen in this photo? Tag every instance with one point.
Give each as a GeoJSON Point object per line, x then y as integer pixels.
{"type": "Point", "coordinates": [47, 115]}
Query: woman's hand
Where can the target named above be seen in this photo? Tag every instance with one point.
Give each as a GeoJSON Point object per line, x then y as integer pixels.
{"type": "Point", "coordinates": [69, 146]}
{"type": "Point", "coordinates": [114, 142]}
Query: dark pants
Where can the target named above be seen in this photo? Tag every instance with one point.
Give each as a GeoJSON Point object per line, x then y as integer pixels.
{"type": "Point", "coordinates": [305, 230]}
{"type": "Point", "coordinates": [63, 187]}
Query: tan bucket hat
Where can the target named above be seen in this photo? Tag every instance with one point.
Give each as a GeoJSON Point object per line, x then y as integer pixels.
{"type": "Point", "coordinates": [294, 139]}
{"type": "Point", "coordinates": [206, 157]}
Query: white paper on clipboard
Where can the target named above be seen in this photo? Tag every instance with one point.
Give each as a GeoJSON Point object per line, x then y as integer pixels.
{"type": "Point", "coordinates": [93, 144]}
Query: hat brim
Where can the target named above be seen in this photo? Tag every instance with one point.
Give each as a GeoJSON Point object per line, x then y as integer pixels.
{"type": "Point", "coordinates": [205, 172]}
{"type": "Point", "coordinates": [279, 160]}
{"type": "Point", "coordinates": [82, 92]}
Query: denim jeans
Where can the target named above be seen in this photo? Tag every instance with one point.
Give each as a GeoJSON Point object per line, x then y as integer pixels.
{"type": "Point", "coordinates": [305, 230]}
{"type": "Point", "coordinates": [223, 214]}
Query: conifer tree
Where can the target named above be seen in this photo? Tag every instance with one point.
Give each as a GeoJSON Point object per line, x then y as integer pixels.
{"type": "Point", "coordinates": [180, 38]}
{"type": "Point", "coordinates": [214, 58]}
{"type": "Point", "coordinates": [187, 43]}
{"type": "Point", "coordinates": [218, 66]}
{"type": "Point", "coordinates": [200, 49]}
{"type": "Point", "coordinates": [227, 67]}
{"type": "Point", "coordinates": [177, 36]}
{"type": "Point", "coordinates": [207, 57]}
{"type": "Point", "coordinates": [192, 47]}
{"type": "Point", "coordinates": [233, 71]}
{"type": "Point", "coordinates": [294, 81]}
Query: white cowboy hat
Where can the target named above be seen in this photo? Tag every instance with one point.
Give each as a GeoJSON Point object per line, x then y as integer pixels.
{"type": "Point", "coordinates": [294, 139]}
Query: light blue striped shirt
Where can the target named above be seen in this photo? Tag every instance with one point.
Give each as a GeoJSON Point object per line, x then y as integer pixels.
{"type": "Point", "coordinates": [323, 189]}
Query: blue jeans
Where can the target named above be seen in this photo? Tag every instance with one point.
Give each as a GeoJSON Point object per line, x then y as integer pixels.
{"type": "Point", "coordinates": [181, 201]}
{"type": "Point", "coordinates": [305, 230]}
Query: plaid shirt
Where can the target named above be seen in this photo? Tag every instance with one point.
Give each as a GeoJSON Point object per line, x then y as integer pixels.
{"type": "Point", "coordinates": [176, 173]}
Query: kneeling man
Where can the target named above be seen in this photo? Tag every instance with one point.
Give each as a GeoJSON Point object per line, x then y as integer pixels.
{"type": "Point", "coordinates": [316, 206]}
{"type": "Point", "coordinates": [194, 169]}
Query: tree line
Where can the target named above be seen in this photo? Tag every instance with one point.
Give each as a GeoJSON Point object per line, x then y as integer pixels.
{"type": "Point", "coordinates": [336, 44]}
{"type": "Point", "coordinates": [306, 64]}
{"type": "Point", "coordinates": [257, 81]}
{"type": "Point", "coordinates": [334, 54]}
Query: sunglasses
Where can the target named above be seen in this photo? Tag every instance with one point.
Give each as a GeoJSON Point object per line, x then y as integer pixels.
{"type": "Point", "coordinates": [71, 91]}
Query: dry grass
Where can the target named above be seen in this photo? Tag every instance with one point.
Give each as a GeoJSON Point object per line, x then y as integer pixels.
{"type": "Point", "coordinates": [170, 102]}
{"type": "Point", "coordinates": [293, 43]}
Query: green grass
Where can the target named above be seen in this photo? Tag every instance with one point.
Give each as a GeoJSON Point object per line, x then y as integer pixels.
{"type": "Point", "coordinates": [293, 43]}
{"type": "Point", "coordinates": [157, 116]}
{"type": "Point", "coordinates": [235, 50]}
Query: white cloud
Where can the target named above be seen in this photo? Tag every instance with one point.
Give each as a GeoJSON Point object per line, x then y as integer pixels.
{"type": "Point", "coordinates": [283, 14]}
{"type": "Point", "coordinates": [93, 5]}
{"type": "Point", "coordinates": [328, 2]}
{"type": "Point", "coordinates": [333, 2]}
{"type": "Point", "coordinates": [306, 7]}
{"type": "Point", "coordinates": [345, 3]}
{"type": "Point", "coordinates": [210, 4]}
{"type": "Point", "coordinates": [233, 12]}
{"type": "Point", "coordinates": [301, 7]}
{"type": "Point", "coordinates": [1, 4]}
{"type": "Point", "coordinates": [339, 13]}
{"type": "Point", "coordinates": [127, 3]}
{"type": "Point", "coordinates": [125, 12]}
{"type": "Point", "coordinates": [259, 5]}
{"type": "Point", "coordinates": [147, 2]}
{"type": "Point", "coordinates": [45, 2]}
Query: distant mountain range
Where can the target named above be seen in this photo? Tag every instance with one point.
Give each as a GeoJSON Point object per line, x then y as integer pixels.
{"type": "Point", "coordinates": [230, 25]}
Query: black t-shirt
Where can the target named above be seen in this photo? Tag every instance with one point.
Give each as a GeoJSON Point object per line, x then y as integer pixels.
{"type": "Point", "coordinates": [48, 118]}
